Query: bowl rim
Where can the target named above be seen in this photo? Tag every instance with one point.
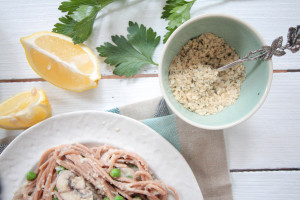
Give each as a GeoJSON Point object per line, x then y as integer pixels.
{"type": "Point", "coordinates": [258, 105]}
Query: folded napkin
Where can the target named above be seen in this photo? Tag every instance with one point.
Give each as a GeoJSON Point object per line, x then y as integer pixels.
{"type": "Point", "coordinates": [204, 150]}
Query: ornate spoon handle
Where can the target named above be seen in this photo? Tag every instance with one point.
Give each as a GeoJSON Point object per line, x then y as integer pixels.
{"type": "Point", "coordinates": [276, 48]}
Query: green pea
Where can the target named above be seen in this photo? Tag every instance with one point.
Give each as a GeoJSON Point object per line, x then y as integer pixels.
{"type": "Point", "coordinates": [31, 176]}
{"type": "Point", "coordinates": [54, 198]}
{"type": "Point", "coordinates": [118, 198]}
{"type": "Point", "coordinates": [106, 198]}
{"type": "Point", "coordinates": [115, 173]}
{"type": "Point", "coordinates": [59, 168]}
{"type": "Point", "coordinates": [55, 189]}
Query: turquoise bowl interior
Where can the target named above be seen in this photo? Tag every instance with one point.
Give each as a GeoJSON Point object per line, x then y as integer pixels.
{"type": "Point", "coordinates": [243, 39]}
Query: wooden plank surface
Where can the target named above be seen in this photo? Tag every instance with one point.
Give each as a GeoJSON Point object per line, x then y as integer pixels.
{"type": "Point", "coordinates": [22, 18]}
{"type": "Point", "coordinates": [266, 185]}
{"type": "Point", "coordinates": [269, 139]}
{"type": "Point", "coordinates": [110, 93]}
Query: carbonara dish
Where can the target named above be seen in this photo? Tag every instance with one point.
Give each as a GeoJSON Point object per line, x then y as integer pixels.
{"type": "Point", "coordinates": [77, 172]}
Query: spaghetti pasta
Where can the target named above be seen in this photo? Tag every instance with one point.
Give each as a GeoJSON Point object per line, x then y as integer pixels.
{"type": "Point", "coordinates": [77, 172]}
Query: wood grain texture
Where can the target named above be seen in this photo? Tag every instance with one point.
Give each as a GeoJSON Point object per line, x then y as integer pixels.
{"type": "Point", "coordinates": [268, 140]}
{"type": "Point", "coordinates": [266, 185]}
{"type": "Point", "coordinates": [109, 94]}
{"type": "Point", "coordinates": [22, 18]}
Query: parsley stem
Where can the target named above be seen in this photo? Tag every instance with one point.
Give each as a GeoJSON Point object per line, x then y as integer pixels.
{"type": "Point", "coordinates": [105, 3]}
{"type": "Point", "coordinates": [154, 63]}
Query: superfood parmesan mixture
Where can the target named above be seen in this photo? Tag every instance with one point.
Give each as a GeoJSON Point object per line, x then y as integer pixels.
{"type": "Point", "coordinates": [195, 81]}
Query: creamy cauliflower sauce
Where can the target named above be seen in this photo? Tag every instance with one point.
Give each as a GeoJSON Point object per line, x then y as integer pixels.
{"type": "Point", "coordinates": [76, 172]}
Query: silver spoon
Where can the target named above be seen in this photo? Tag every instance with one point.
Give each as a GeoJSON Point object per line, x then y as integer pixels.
{"type": "Point", "coordinates": [266, 52]}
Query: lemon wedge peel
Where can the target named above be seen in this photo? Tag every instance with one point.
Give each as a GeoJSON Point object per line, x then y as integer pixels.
{"type": "Point", "coordinates": [78, 80]}
{"type": "Point", "coordinates": [24, 110]}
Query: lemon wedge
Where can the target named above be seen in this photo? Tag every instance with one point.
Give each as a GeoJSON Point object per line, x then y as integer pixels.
{"type": "Point", "coordinates": [24, 109]}
{"type": "Point", "coordinates": [57, 60]}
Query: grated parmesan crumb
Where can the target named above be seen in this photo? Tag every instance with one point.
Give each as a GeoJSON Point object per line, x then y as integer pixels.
{"type": "Point", "coordinates": [195, 81]}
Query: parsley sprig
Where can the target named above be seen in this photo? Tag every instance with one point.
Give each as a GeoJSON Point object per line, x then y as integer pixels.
{"type": "Point", "coordinates": [79, 21]}
{"type": "Point", "coordinates": [130, 54]}
{"type": "Point", "coordinates": [176, 12]}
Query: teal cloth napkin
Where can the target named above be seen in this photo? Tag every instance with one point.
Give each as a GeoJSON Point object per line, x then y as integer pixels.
{"type": "Point", "coordinates": [204, 150]}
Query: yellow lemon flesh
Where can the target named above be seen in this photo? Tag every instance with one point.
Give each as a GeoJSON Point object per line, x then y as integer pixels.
{"type": "Point", "coordinates": [57, 60]}
{"type": "Point", "coordinates": [24, 110]}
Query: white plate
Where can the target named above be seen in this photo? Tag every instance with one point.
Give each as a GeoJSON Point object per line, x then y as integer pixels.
{"type": "Point", "coordinates": [98, 128]}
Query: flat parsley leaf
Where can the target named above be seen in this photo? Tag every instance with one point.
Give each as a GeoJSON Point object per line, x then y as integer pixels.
{"type": "Point", "coordinates": [66, 27]}
{"type": "Point", "coordinates": [176, 12]}
{"type": "Point", "coordinates": [79, 21]}
{"type": "Point", "coordinates": [72, 5]}
{"type": "Point", "coordinates": [82, 12]}
{"type": "Point", "coordinates": [130, 54]}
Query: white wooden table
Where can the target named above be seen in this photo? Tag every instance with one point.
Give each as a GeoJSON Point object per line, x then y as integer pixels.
{"type": "Point", "coordinates": [263, 152]}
